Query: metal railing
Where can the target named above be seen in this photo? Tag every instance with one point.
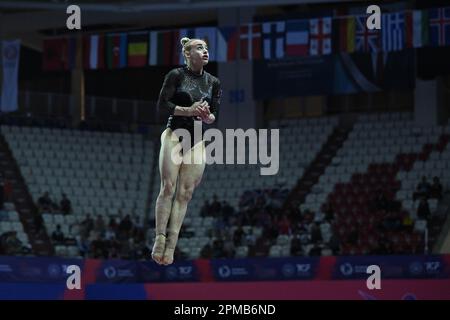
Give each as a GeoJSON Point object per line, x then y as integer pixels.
{"type": "Point", "coordinates": [40, 105]}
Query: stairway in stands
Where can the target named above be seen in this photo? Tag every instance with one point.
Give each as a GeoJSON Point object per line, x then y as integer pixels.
{"type": "Point", "coordinates": [23, 202]}
{"type": "Point", "coordinates": [317, 167]}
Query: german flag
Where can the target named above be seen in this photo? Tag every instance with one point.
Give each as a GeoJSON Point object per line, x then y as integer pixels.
{"type": "Point", "coordinates": [344, 34]}
{"type": "Point", "coordinates": [137, 49]}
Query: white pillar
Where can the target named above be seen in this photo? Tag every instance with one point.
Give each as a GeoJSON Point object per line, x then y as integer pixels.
{"type": "Point", "coordinates": [236, 75]}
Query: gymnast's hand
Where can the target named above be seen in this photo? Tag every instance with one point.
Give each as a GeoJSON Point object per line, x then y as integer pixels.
{"type": "Point", "coordinates": [199, 109]}
{"type": "Point", "coordinates": [206, 116]}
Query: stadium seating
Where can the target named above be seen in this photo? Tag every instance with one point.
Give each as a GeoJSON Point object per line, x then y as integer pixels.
{"type": "Point", "coordinates": [101, 173]}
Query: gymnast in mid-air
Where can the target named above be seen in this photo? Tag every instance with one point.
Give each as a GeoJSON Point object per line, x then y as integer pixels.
{"type": "Point", "coordinates": [190, 94]}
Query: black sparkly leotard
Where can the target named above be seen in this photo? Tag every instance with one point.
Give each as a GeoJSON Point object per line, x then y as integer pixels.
{"type": "Point", "coordinates": [182, 87]}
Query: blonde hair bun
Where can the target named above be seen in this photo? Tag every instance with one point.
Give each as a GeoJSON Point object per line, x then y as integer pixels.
{"type": "Point", "coordinates": [184, 40]}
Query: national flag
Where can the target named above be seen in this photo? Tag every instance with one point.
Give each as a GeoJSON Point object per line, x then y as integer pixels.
{"type": "Point", "coordinates": [116, 50]}
{"type": "Point", "coordinates": [297, 38]}
{"type": "Point", "coordinates": [274, 34]}
{"type": "Point", "coordinates": [416, 27]}
{"type": "Point", "coordinates": [439, 19]}
{"type": "Point", "coordinates": [250, 41]}
{"type": "Point", "coordinates": [227, 39]}
{"type": "Point", "coordinates": [137, 49]}
{"type": "Point", "coordinates": [161, 48]}
{"type": "Point", "coordinates": [393, 31]}
{"type": "Point", "coordinates": [366, 40]}
{"type": "Point", "coordinates": [10, 57]}
{"type": "Point", "coordinates": [53, 54]}
{"type": "Point", "coordinates": [94, 51]}
{"type": "Point", "coordinates": [344, 34]}
{"type": "Point", "coordinates": [320, 36]}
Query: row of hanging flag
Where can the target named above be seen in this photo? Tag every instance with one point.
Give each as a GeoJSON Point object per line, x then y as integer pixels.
{"type": "Point", "coordinates": [266, 40]}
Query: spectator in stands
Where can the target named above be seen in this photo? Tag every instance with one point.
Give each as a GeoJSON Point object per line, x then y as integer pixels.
{"type": "Point", "coordinates": [39, 223]}
{"type": "Point", "coordinates": [217, 250]}
{"type": "Point", "coordinates": [125, 227]}
{"type": "Point", "coordinates": [206, 252]}
{"type": "Point", "coordinates": [329, 212]}
{"type": "Point", "coordinates": [422, 190]}
{"type": "Point", "coordinates": [58, 235]}
{"type": "Point", "coordinates": [304, 235]}
{"type": "Point", "coordinates": [215, 207]}
{"type": "Point", "coordinates": [138, 227]}
{"type": "Point", "coordinates": [83, 245]}
{"type": "Point", "coordinates": [407, 222]}
{"type": "Point", "coordinates": [227, 210]}
{"type": "Point", "coordinates": [112, 224]}
{"type": "Point", "coordinates": [99, 225]}
{"type": "Point", "coordinates": [99, 248]}
{"type": "Point", "coordinates": [65, 205]}
{"type": "Point", "coordinates": [250, 238]}
{"type": "Point", "coordinates": [261, 248]}
{"type": "Point", "coordinates": [319, 216]}
{"type": "Point", "coordinates": [296, 246]}
{"type": "Point", "coordinates": [436, 189]}
{"type": "Point", "coordinates": [237, 236]}
{"type": "Point", "coordinates": [45, 203]}
{"type": "Point", "coordinates": [334, 244]}
{"type": "Point", "coordinates": [316, 234]}
{"type": "Point", "coordinates": [228, 246]}
{"type": "Point", "coordinates": [87, 225]}
{"type": "Point", "coordinates": [110, 234]}
{"type": "Point", "coordinates": [284, 225]}
{"type": "Point", "coordinates": [13, 244]}
{"type": "Point", "coordinates": [423, 210]}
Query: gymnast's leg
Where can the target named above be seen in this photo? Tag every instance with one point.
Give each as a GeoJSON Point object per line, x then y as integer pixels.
{"type": "Point", "coordinates": [168, 170]}
{"type": "Point", "coordinates": [190, 175]}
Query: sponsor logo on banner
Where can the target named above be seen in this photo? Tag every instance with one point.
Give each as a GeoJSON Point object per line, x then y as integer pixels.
{"type": "Point", "coordinates": [5, 268]}
{"type": "Point", "coordinates": [54, 271]}
{"type": "Point", "coordinates": [298, 270]}
{"type": "Point", "coordinates": [288, 270]}
{"type": "Point", "coordinates": [347, 269]}
{"type": "Point", "coordinates": [110, 272]}
{"type": "Point", "coordinates": [185, 271]}
{"type": "Point", "coordinates": [113, 272]}
{"type": "Point", "coordinates": [179, 272]}
{"type": "Point", "coordinates": [171, 273]}
{"type": "Point", "coordinates": [433, 267]}
{"type": "Point", "coordinates": [416, 268]}
{"type": "Point", "coordinates": [226, 271]}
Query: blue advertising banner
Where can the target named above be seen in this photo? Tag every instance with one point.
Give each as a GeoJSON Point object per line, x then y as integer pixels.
{"type": "Point", "coordinates": [53, 270]}
{"type": "Point", "coordinates": [392, 267]}
{"type": "Point", "coordinates": [149, 271]}
{"type": "Point", "coordinates": [45, 270]}
{"type": "Point", "coordinates": [264, 269]}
